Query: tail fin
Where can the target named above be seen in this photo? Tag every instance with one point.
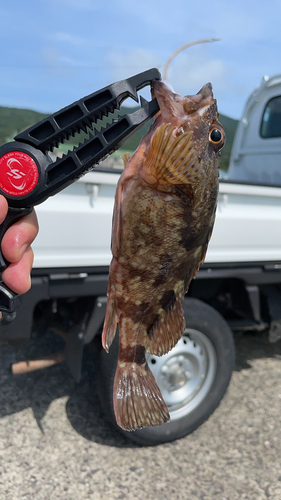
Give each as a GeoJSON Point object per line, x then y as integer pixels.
{"type": "Point", "coordinates": [137, 399]}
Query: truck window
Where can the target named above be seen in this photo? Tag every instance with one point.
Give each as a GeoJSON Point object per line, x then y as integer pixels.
{"type": "Point", "coordinates": [271, 120]}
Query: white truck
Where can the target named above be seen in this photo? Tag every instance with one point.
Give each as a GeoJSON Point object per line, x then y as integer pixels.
{"type": "Point", "coordinates": [237, 288]}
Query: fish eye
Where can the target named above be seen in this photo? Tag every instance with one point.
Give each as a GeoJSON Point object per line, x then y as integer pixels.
{"type": "Point", "coordinates": [216, 137]}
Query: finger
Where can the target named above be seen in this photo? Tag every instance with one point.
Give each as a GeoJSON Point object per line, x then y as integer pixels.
{"type": "Point", "coordinates": [17, 275]}
{"type": "Point", "coordinates": [19, 237]}
{"type": "Point", "coordinates": [3, 208]}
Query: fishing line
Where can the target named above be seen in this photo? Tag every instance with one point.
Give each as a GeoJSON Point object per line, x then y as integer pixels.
{"type": "Point", "coordinates": [183, 48]}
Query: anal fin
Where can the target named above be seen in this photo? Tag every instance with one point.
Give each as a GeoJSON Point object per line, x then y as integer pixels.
{"type": "Point", "coordinates": [137, 399]}
{"type": "Point", "coordinates": [169, 327]}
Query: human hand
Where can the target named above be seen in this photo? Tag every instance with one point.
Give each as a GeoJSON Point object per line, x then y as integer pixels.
{"type": "Point", "coordinates": [17, 250]}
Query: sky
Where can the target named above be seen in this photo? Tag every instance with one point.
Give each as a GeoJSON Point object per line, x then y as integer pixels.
{"type": "Point", "coordinates": [54, 52]}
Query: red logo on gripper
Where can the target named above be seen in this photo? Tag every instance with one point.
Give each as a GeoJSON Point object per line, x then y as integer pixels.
{"type": "Point", "coordinates": [18, 173]}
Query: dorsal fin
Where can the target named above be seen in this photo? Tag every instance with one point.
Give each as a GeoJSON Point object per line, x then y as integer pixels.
{"type": "Point", "coordinates": [172, 159]}
{"type": "Point", "coordinates": [126, 157]}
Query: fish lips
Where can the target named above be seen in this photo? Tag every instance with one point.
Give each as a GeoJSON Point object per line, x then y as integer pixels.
{"type": "Point", "coordinates": [175, 108]}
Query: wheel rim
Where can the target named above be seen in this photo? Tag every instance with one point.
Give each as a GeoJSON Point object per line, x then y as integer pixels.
{"type": "Point", "coordinates": [186, 374]}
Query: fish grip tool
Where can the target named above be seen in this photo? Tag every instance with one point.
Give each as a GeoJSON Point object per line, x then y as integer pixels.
{"type": "Point", "coordinates": [28, 175]}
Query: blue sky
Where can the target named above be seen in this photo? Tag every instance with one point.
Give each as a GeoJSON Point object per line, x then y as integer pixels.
{"type": "Point", "coordinates": [55, 51]}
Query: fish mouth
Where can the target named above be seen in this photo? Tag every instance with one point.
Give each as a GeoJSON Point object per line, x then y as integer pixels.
{"type": "Point", "coordinates": [174, 107]}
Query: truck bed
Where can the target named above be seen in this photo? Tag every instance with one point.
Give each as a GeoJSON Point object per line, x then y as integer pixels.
{"type": "Point", "coordinates": [75, 225]}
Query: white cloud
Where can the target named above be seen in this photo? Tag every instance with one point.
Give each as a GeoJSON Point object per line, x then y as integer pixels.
{"type": "Point", "coordinates": [100, 42]}
{"type": "Point", "coordinates": [190, 72]}
{"type": "Point", "coordinates": [67, 38]}
{"type": "Point", "coordinates": [57, 62]}
{"type": "Point", "coordinates": [187, 73]}
{"type": "Point", "coordinates": [123, 65]}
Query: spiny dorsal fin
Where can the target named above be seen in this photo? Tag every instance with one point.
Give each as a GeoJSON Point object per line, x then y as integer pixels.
{"type": "Point", "coordinates": [172, 159]}
{"type": "Point", "coordinates": [125, 157]}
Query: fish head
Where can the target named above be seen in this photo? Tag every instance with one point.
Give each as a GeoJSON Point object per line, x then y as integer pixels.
{"type": "Point", "coordinates": [192, 113]}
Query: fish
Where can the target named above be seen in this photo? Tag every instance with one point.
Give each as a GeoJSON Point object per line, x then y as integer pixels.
{"type": "Point", "coordinates": [163, 217]}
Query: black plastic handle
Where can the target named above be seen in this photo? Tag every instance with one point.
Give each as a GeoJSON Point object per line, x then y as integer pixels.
{"type": "Point", "coordinates": [28, 176]}
{"type": "Point", "coordinates": [79, 115]}
{"type": "Point", "coordinates": [22, 173]}
{"type": "Point", "coordinates": [9, 300]}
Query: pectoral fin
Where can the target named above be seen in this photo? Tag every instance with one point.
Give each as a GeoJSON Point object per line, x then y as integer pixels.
{"type": "Point", "coordinates": [110, 322]}
{"type": "Point", "coordinates": [172, 159]}
{"type": "Point", "coordinates": [117, 221]}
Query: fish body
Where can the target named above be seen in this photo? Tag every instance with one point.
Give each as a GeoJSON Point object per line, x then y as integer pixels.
{"type": "Point", "coordinates": [163, 218]}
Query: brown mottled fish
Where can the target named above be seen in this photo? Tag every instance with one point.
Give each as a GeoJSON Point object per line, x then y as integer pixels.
{"type": "Point", "coordinates": [163, 218]}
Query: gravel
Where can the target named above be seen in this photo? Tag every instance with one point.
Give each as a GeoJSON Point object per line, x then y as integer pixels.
{"type": "Point", "coordinates": [55, 443]}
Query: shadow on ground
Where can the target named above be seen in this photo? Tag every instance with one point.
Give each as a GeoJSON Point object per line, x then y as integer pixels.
{"type": "Point", "coordinates": [37, 390]}
{"type": "Point", "coordinates": [254, 345]}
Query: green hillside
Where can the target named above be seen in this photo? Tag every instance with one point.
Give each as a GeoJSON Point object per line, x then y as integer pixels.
{"type": "Point", "coordinates": [229, 126]}
{"type": "Point", "coordinates": [14, 120]}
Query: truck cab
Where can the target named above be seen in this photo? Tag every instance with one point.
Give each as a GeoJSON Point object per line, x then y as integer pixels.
{"type": "Point", "coordinates": [256, 150]}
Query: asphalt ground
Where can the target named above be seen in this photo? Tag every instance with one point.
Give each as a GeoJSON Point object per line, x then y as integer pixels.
{"type": "Point", "coordinates": [55, 442]}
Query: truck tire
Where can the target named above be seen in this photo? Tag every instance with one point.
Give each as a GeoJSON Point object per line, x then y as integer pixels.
{"type": "Point", "coordinates": [193, 376]}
